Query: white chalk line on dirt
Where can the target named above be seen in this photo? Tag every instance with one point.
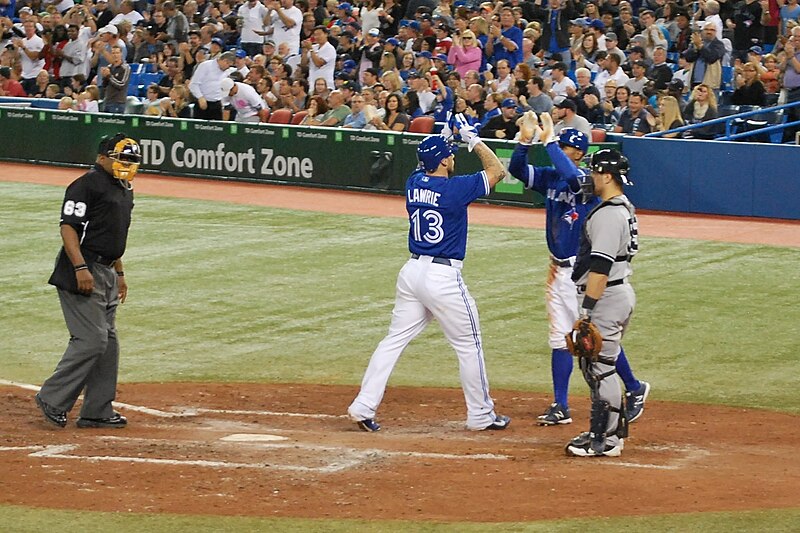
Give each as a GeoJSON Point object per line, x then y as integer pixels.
{"type": "Point", "coordinates": [199, 410]}
{"type": "Point", "coordinates": [136, 408]}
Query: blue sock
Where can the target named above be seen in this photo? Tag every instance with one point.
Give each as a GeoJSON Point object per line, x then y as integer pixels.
{"type": "Point", "coordinates": [625, 372]}
{"type": "Point", "coordinates": [561, 366]}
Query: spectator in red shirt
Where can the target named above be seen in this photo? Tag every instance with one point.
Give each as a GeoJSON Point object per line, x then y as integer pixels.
{"type": "Point", "coordinates": [10, 86]}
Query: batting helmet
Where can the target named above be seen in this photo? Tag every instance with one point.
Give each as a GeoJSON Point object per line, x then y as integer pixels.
{"type": "Point", "coordinates": [612, 162]}
{"type": "Point", "coordinates": [575, 138]}
{"type": "Point", "coordinates": [433, 150]}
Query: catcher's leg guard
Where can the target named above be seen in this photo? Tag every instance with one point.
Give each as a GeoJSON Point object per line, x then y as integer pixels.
{"type": "Point", "coordinates": [598, 423]}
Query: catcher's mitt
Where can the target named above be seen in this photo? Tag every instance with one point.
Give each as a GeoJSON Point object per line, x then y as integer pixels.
{"type": "Point", "coordinates": [585, 340]}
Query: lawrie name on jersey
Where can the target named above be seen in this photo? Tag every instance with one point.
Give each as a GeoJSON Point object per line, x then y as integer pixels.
{"type": "Point", "coordinates": [423, 196]}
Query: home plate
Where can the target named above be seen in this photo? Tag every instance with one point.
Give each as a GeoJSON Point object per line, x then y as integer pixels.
{"type": "Point", "coordinates": [253, 437]}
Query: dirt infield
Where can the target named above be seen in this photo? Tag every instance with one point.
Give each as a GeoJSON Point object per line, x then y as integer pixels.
{"type": "Point", "coordinates": [422, 466]}
{"type": "Point", "coordinates": [286, 450]}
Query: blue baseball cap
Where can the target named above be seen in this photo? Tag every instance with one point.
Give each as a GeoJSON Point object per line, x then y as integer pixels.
{"type": "Point", "coordinates": [583, 21]}
{"type": "Point", "coordinates": [597, 23]}
{"type": "Point", "coordinates": [392, 41]}
{"type": "Point", "coordinates": [425, 54]}
{"type": "Point", "coordinates": [414, 25]}
{"type": "Point", "coordinates": [348, 64]}
{"type": "Point", "coordinates": [344, 5]}
{"type": "Point", "coordinates": [509, 102]}
{"type": "Point", "coordinates": [756, 50]}
{"type": "Point", "coordinates": [441, 57]}
{"type": "Point", "coordinates": [433, 150]}
{"type": "Point", "coordinates": [575, 138]}
{"type": "Point", "coordinates": [241, 54]}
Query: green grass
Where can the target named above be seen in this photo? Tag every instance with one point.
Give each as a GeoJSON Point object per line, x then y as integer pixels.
{"type": "Point", "coordinates": [224, 292]}
{"type": "Point", "coordinates": [22, 520]}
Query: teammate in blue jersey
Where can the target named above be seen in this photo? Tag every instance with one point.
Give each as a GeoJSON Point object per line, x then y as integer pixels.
{"type": "Point", "coordinates": [567, 206]}
{"type": "Point", "coordinates": [430, 284]}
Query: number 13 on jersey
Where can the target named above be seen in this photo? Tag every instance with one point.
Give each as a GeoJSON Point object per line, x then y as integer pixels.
{"type": "Point", "coordinates": [430, 218]}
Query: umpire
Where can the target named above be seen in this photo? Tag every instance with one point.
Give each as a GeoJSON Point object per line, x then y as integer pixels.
{"type": "Point", "coordinates": [89, 276]}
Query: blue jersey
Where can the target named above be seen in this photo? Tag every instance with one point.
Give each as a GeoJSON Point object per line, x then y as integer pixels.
{"type": "Point", "coordinates": [437, 212]}
{"type": "Point", "coordinates": [565, 211]}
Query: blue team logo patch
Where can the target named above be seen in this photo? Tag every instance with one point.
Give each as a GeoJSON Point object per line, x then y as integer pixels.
{"type": "Point", "coordinates": [425, 179]}
{"type": "Point", "coordinates": [571, 216]}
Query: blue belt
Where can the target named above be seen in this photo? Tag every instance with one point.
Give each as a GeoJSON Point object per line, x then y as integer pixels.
{"type": "Point", "coordinates": [438, 260]}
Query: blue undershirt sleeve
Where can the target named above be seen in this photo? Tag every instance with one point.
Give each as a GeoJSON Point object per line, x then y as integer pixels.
{"type": "Point", "coordinates": [518, 166]}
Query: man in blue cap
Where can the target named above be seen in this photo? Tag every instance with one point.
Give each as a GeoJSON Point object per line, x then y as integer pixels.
{"type": "Point", "coordinates": [430, 285]}
{"type": "Point", "coordinates": [504, 125]}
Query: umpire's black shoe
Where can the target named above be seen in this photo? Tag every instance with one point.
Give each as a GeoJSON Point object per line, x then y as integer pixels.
{"type": "Point", "coordinates": [114, 421]}
{"type": "Point", "coordinates": [51, 414]}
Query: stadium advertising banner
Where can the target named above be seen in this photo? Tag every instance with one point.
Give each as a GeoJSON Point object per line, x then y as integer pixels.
{"type": "Point", "coordinates": [339, 158]}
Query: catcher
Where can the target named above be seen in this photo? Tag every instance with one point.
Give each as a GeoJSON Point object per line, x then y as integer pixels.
{"type": "Point", "coordinates": [603, 267]}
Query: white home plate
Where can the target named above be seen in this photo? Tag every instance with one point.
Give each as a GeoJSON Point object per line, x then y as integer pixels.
{"type": "Point", "coordinates": [253, 437]}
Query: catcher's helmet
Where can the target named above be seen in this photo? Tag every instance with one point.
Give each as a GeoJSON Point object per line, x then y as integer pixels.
{"type": "Point", "coordinates": [575, 138]}
{"type": "Point", "coordinates": [433, 150]}
{"type": "Point", "coordinates": [125, 153]}
{"type": "Point", "coordinates": [612, 162]}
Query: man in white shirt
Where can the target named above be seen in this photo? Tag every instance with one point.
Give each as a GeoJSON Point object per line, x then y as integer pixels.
{"type": "Point", "coordinates": [558, 90]}
{"type": "Point", "coordinates": [206, 87]}
{"type": "Point", "coordinates": [286, 21]}
{"type": "Point", "coordinates": [249, 105]}
{"type": "Point", "coordinates": [419, 83]}
{"type": "Point", "coordinates": [28, 49]}
{"type": "Point", "coordinates": [611, 71]}
{"type": "Point", "coordinates": [564, 113]}
{"type": "Point", "coordinates": [73, 59]}
{"type": "Point", "coordinates": [127, 12]}
{"type": "Point", "coordinates": [254, 16]}
{"type": "Point", "coordinates": [320, 58]}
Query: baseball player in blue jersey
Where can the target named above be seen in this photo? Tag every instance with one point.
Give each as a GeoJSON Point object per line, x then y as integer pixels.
{"type": "Point", "coordinates": [566, 204]}
{"type": "Point", "coordinates": [430, 284]}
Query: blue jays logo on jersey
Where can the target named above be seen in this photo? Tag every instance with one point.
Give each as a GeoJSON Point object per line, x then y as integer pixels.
{"type": "Point", "coordinates": [570, 216]}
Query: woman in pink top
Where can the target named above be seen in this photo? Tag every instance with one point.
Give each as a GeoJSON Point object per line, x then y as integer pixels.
{"type": "Point", "coordinates": [465, 54]}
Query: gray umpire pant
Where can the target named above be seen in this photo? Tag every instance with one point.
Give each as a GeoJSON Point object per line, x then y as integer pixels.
{"type": "Point", "coordinates": [92, 356]}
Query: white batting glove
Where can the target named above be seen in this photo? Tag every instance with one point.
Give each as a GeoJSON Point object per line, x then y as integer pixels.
{"type": "Point", "coordinates": [468, 133]}
{"type": "Point", "coordinates": [529, 131]}
{"type": "Point", "coordinates": [548, 132]}
{"type": "Point", "coordinates": [447, 132]}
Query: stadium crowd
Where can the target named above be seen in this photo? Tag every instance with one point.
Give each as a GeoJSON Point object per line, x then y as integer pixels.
{"type": "Point", "coordinates": [627, 67]}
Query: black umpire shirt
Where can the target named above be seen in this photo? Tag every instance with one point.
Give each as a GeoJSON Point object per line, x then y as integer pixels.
{"type": "Point", "coordinates": [99, 207]}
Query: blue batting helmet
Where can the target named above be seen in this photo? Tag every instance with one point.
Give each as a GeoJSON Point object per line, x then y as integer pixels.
{"type": "Point", "coordinates": [575, 138]}
{"type": "Point", "coordinates": [433, 150]}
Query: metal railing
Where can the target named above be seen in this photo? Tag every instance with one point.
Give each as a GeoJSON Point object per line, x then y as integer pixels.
{"type": "Point", "coordinates": [731, 121]}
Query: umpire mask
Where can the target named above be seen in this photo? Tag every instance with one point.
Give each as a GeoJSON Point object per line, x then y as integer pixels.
{"type": "Point", "coordinates": [125, 154]}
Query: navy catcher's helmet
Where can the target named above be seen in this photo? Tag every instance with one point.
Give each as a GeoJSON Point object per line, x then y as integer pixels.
{"type": "Point", "coordinates": [575, 138]}
{"type": "Point", "coordinates": [611, 162]}
{"type": "Point", "coordinates": [433, 150]}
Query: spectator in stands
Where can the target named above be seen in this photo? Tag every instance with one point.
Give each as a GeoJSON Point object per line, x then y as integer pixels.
{"type": "Point", "coordinates": [555, 20]}
{"type": "Point", "coordinates": [205, 86]}
{"type": "Point", "coordinates": [320, 58]}
{"type": "Point", "coordinates": [9, 86]}
{"type": "Point", "coordinates": [88, 100]}
{"type": "Point", "coordinates": [505, 40]}
{"type": "Point", "coordinates": [683, 39]}
{"type": "Point", "coordinates": [103, 14]}
{"type": "Point", "coordinates": [66, 104]}
{"type": "Point", "coordinates": [638, 80]}
{"type": "Point", "coordinates": [504, 80]}
{"type": "Point", "coordinates": [626, 26]}
{"type": "Point", "coordinates": [317, 107]}
{"type": "Point", "coordinates": [504, 125]}
{"type": "Point", "coordinates": [669, 116]}
{"type": "Point", "coordinates": [152, 101]}
{"type": "Point", "coordinates": [676, 89]}
{"type": "Point", "coordinates": [586, 54]}
{"type": "Point", "coordinates": [612, 48]}
{"type": "Point", "coordinates": [116, 77]}
{"type": "Point", "coordinates": [565, 116]}
{"type": "Point", "coordinates": [337, 111]}
{"type": "Point", "coordinates": [621, 96]}
{"type": "Point", "coordinates": [244, 99]}
{"type": "Point", "coordinates": [177, 24]}
{"type": "Point", "coordinates": [709, 12]}
{"type": "Point", "coordinates": [790, 11]}
{"type": "Point", "coordinates": [771, 74]}
{"type": "Point", "coordinates": [635, 120]}
{"type": "Point", "coordinates": [40, 84]}
{"type": "Point", "coordinates": [465, 54]}
{"type": "Point", "coordinates": [28, 50]}
{"type": "Point", "coordinates": [702, 107]}
{"type": "Point", "coordinates": [660, 73]}
{"type": "Point", "coordinates": [749, 89]}
{"type": "Point", "coordinates": [611, 71]}
{"type": "Point", "coordinates": [652, 33]}
{"type": "Point", "coordinates": [791, 78]}
{"type": "Point", "coordinates": [558, 89]}
{"type": "Point", "coordinates": [73, 55]}
{"type": "Point", "coordinates": [583, 87]}
{"type": "Point", "coordinates": [394, 118]}
{"type": "Point", "coordinates": [745, 22]}
{"type": "Point", "coordinates": [356, 119]}
{"type": "Point", "coordinates": [286, 21]}
{"type": "Point", "coordinates": [705, 54]}
{"type": "Point", "coordinates": [177, 104]}
{"type": "Point", "coordinates": [537, 100]}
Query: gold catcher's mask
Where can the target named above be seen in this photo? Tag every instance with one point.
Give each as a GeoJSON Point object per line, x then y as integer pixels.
{"type": "Point", "coordinates": [125, 154]}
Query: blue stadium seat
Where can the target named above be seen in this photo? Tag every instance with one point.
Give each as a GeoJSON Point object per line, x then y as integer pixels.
{"type": "Point", "coordinates": [727, 79]}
